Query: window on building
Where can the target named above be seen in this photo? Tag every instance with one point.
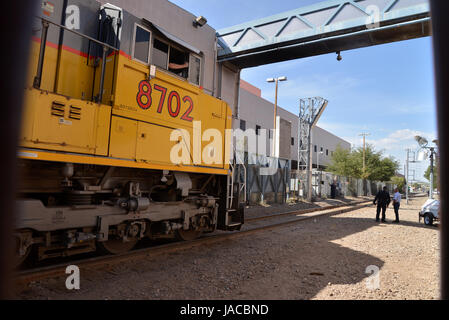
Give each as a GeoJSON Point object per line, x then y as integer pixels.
{"type": "Point", "coordinates": [258, 130]}
{"type": "Point", "coordinates": [160, 53]}
{"type": "Point", "coordinates": [294, 165]}
{"type": "Point", "coordinates": [332, 153]}
{"type": "Point", "coordinates": [327, 152]}
{"type": "Point", "coordinates": [321, 149]}
{"type": "Point", "coordinates": [315, 148]}
{"type": "Point", "coordinates": [141, 50]}
{"type": "Point", "coordinates": [242, 124]}
{"type": "Point", "coordinates": [293, 141]}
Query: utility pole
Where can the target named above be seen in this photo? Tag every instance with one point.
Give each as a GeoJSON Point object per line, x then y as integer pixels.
{"type": "Point", "coordinates": [364, 135]}
{"type": "Point", "coordinates": [407, 171]}
{"type": "Point", "coordinates": [406, 175]}
{"type": "Point", "coordinates": [432, 150]}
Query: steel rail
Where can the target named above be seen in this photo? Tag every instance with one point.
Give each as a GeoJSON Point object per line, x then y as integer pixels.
{"type": "Point", "coordinates": [302, 212]}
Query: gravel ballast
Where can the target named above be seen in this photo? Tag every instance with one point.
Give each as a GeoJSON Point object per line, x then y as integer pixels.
{"type": "Point", "coordinates": [323, 258]}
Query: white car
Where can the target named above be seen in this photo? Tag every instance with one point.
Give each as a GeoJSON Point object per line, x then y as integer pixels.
{"type": "Point", "coordinates": [430, 211]}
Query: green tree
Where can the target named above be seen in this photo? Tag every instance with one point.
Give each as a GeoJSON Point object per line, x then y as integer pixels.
{"type": "Point", "coordinates": [435, 176]}
{"type": "Point", "coordinates": [399, 182]}
{"type": "Point", "coordinates": [343, 163]}
{"type": "Point", "coordinates": [350, 164]}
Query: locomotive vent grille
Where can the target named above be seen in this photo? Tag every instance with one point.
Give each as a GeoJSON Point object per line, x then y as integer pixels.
{"type": "Point", "coordinates": [75, 113]}
{"type": "Point", "coordinates": [58, 109]}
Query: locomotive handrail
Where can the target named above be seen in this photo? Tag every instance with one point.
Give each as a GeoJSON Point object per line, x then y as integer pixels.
{"type": "Point", "coordinates": [79, 34]}
{"type": "Point", "coordinates": [45, 24]}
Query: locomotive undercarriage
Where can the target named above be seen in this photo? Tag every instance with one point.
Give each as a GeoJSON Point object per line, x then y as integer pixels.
{"type": "Point", "coordinates": [67, 209]}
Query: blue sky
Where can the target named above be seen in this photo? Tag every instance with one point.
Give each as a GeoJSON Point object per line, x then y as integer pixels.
{"type": "Point", "coordinates": [385, 90]}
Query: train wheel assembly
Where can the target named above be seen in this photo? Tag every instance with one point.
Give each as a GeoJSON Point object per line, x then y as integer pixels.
{"type": "Point", "coordinates": [188, 235]}
{"type": "Point", "coordinates": [116, 246]}
{"type": "Point", "coordinates": [19, 260]}
{"type": "Point", "coordinates": [24, 246]}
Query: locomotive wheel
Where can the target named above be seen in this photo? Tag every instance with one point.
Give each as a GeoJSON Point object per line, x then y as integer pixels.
{"type": "Point", "coordinates": [187, 235]}
{"type": "Point", "coordinates": [19, 260]}
{"type": "Point", "coordinates": [116, 246]}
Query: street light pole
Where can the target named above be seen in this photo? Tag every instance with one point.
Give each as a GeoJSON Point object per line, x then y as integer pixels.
{"type": "Point", "coordinates": [276, 81]}
{"type": "Point", "coordinates": [423, 143]}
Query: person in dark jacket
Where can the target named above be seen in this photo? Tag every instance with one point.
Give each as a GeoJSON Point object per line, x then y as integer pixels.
{"type": "Point", "coordinates": [333, 190]}
{"type": "Point", "coordinates": [383, 201]}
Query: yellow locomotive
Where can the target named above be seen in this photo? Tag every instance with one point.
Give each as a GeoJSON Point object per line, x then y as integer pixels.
{"type": "Point", "coordinates": [106, 111]}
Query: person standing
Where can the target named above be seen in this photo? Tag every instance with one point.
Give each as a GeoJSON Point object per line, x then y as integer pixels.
{"type": "Point", "coordinates": [397, 203]}
{"type": "Point", "coordinates": [333, 190]}
{"type": "Point", "coordinates": [383, 201]}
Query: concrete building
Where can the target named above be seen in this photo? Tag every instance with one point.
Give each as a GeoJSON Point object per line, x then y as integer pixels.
{"type": "Point", "coordinates": [257, 113]}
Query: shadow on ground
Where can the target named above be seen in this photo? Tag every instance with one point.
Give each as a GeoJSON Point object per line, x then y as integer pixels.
{"type": "Point", "coordinates": [300, 263]}
{"type": "Point", "coordinates": [294, 262]}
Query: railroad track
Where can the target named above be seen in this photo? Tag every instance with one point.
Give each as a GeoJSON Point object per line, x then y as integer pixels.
{"type": "Point", "coordinates": [24, 277]}
{"type": "Point", "coordinates": [302, 212]}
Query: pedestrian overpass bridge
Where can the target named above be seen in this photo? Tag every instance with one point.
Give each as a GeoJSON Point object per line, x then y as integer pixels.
{"type": "Point", "coordinates": [325, 27]}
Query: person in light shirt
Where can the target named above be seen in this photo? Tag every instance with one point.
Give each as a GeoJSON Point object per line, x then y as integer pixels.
{"type": "Point", "coordinates": [396, 203]}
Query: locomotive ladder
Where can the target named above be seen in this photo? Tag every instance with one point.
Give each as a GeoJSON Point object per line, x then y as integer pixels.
{"type": "Point", "coordinates": [236, 186]}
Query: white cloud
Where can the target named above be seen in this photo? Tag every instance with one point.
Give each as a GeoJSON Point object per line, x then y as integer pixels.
{"type": "Point", "coordinates": [400, 139]}
{"type": "Point", "coordinates": [395, 145]}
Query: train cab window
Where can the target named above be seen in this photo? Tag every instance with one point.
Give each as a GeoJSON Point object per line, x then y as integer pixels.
{"type": "Point", "coordinates": [160, 53]}
{"type": "Point", "coordinates": [178, 62]}
{"type": "Point", "coordinates": [141, 50]}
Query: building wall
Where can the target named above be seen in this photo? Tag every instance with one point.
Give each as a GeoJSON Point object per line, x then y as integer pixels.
{"type": "Point", "coordinates": [250, 88]}
{"type": "Point", "coordinates": [255, 110]}
{"type": "Point", "coordinates": [328, 142]}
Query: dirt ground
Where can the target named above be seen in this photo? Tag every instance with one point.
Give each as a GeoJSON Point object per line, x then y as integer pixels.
{"type": "Point", "coordinates": [323, 258]}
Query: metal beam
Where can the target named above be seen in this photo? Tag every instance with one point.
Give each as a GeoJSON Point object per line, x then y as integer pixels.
{"type": "Point", "coordinates": [441, 59]}
{"type": "Point", "coordinates": [325, 27]}
{"type": "Point", "coordinates": [310, 110]}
